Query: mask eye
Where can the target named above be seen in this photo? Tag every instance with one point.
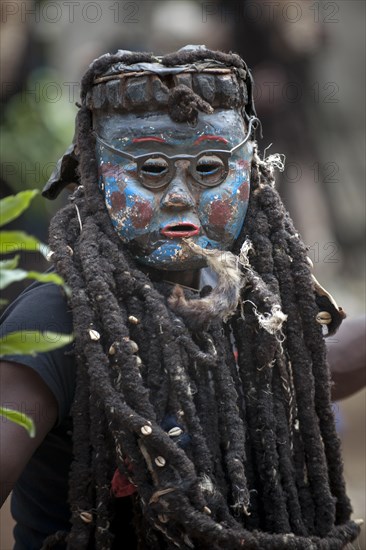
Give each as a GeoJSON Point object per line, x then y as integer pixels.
{"type": "Point", "coordinates": [154, 172]}
{"type": "Point", "coordinates": [210, 170]}
{"type": "Point", "coordinates": [154, 167]}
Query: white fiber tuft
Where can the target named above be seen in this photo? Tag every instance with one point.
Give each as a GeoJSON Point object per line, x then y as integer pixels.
{"type": "Point", "coordinates": [271, 322]}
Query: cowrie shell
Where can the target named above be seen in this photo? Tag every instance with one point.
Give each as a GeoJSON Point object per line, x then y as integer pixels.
{"type": "Point", "coordinates": [174, 432]}
{"type": "Point", "coordinates": [146, 430]}
{"type": "Point", "coordinates": [133, 320]}
{"type": "Point", "coordinates": [324, 318]}
{"type": "Point", "coordinates": [86, 517]}
{"type": "Point", "coordinates": [94, 334]}
{"type": "Point", "coordinates": [160, 461]}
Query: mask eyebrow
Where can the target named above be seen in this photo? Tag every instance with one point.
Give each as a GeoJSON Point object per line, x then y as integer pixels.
{"type": "Point", "coordinates": [210, 138]}
{"type": "Point", "coordinates": [148, 138]}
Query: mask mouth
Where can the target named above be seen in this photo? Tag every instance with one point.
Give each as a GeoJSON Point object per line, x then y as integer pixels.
{"type": "Point", "coordinates": [180, 230]}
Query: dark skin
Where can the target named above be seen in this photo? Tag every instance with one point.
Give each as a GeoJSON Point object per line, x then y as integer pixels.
{"type": "Point", "coordinates": [21, 385]}
{"type": "Point", "coordinates": [23, 389]}
{"type": "Point", "coordinates": [347, 358]}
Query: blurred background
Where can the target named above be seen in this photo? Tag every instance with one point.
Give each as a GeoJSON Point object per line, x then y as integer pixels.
{"type": "Point", "coordinates": [308, 62]}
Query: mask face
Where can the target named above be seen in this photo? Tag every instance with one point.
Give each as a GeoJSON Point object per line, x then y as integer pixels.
{"type": "Point", "coordinates": [154, 201]}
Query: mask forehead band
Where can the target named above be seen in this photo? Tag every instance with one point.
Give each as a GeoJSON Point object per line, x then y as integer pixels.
{"type": "Point", "coordinates": [120, 71]}
{"type": "Point", "coordinates": [148, 86]}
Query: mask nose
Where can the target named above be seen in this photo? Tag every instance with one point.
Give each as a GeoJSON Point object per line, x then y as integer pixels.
{"type": "Point", "coordinates": [177, 195]}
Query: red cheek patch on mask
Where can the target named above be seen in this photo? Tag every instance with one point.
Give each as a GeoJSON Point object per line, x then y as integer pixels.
{"type": "Point", "coordinates": [221, 212]}
{"type": "Point", "coordinates": [118, 201]}
{"type": "Point", "coordinates": [244, 164]}
{"type": "Point", "coordinates": [141, 214]}
{"type": "Point", "coordinates": [244, 191]}
{"type": "Point", "coordinates": [108, 170]}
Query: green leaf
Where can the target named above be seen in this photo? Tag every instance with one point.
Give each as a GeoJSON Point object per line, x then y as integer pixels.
{"type": "Point", "coordinates": [12, 206]}
{"type": "Point", "coordinates": [11, 263]}
{"type": "Point", "coordinates": [67, 291]}
{"type": "Point", "coordinates": [12, 241]}
{"type": "Point", "coordinates": [46, 277]}
{"type": "Point", "coordinates": [9, 276]}
{"type": "Point", "coordinates": [31, 342]}
{"type": "Point", "coordinates": [19, 418]}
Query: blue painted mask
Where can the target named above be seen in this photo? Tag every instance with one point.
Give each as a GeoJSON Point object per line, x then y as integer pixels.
{"type": "Point", "coordinates": [164, 181]}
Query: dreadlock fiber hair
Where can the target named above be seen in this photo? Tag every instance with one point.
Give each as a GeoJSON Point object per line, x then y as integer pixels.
{"type": "Point", "coordinates": [225, 450]}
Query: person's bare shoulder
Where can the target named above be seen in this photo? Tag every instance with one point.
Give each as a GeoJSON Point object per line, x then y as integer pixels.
{"type": "Point", "coordinates": [22, 389]}
{"type": "Point", "coordinates": [347, 357]}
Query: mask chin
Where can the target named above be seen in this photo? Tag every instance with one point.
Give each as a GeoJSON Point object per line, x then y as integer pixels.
{"type": "Point", "coordinates": [175, 257]}
{"type": "Point", "coordinates": [172, 257]}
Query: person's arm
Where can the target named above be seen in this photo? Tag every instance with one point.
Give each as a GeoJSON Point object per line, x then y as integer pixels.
{"type": "Point", "coordinates": [21, 388]}
{"type": "Point", "coordinates": [347, 358]}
